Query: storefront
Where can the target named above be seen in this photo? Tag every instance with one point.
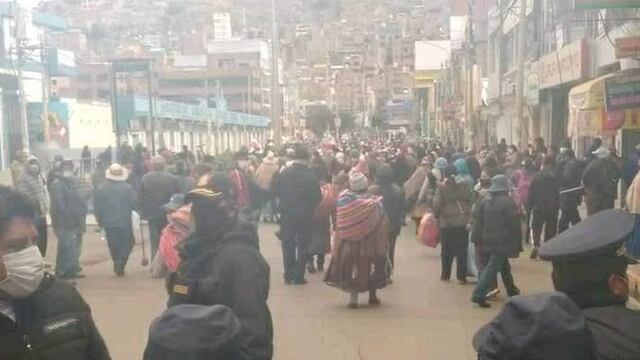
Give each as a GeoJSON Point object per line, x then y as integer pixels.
{"type": "Point", "coordinates": [557, 73]}
{"type": "Point", "coordinates": [607, 107]}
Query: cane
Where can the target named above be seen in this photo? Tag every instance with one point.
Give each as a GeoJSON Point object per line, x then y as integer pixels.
{"type": "Point", "coordinates": [145, 259]}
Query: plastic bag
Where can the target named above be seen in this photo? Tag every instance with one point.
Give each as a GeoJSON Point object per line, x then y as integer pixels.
{"type": "Point", "coordinates": [135, 222]}
{"type": "Point", "coordinates": [472, 270]}
{"type": "Point", "coordinates": [428, 231]}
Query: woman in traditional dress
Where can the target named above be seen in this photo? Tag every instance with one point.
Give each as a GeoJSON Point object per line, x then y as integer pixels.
{"type": "Point", "coordinates": [358, 262]}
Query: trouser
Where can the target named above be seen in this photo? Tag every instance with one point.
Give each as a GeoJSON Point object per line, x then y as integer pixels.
{"type": "Point", "coordinates": [546, 218]}
{"type": "Point", "coordinates": [155, 229]}
{"type": "Point", "coordinates": [568, 216]}
{"type": "Point", "coordinates": [482, 260]}
{"type": "Point", "coordinates": [454, 246]}
{"type": "Point", "coordinates": [392, 251]}
{"type": "Point", "coordinates": [120, 242]}
{"type": "Point", "coordinates": [598, 201]}
{"type": "Point", "coordinates": [68, 256]}
{"type": "Point", "coordinates": [497, 264]}
{"type": "Point", "coordinates": [41, 226]}
{"type": "Point", "coordinates": [295, 236]}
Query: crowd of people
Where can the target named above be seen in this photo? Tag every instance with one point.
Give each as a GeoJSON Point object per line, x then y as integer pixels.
{"type": "Point", "coordinates": [349, 199]}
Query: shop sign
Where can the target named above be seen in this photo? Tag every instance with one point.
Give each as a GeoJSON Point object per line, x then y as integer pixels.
{"type": "Point", "coordinates": [622, 92]}
{"type": "Point", "coordinates": [605, 4]}
{"type": "Point", "coordinates": [564, 65]}
{"type": "Point", "coordinates": [627, 47]}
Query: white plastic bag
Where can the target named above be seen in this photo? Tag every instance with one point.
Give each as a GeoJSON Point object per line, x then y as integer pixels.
{"type": "Point", "coordinates": [135, 222]}
{"type": "Point", "coordinates": [472, 270]}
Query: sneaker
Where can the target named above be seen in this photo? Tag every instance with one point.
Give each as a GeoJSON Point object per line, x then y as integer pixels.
{"type": "Point", "coordinates": [462, 281]}
{"type": "Point", "coordinates": [482, 304]}
{"type": "Point", "coordinates": [299, 282]}
{"type": "Point", "coordinates": [534, 253]}
{"type": "Point", "coordinates": [352, 306]}
{"type": "Point", "coordinates": [493, 293]}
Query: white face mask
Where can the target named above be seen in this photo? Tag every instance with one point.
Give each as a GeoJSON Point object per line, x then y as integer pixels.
{"type": "Point", "coordinates": [25, 271]}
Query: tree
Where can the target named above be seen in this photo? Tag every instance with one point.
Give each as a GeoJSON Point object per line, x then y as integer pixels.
{"type": "Point", "coordinates": [318, 119]}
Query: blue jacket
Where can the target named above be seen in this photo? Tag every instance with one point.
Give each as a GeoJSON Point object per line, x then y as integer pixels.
{"type": "Point", "coordinates": [113, 203]}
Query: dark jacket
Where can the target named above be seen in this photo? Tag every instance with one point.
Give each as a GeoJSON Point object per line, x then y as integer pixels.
{"type": "Point", "coordinates": [55, 322]}
{"type": "Point", "coordinates": [475, 169]}
{"type": "Point", "coordinates": [452, 204]}
{"type": "Point", "coordinates": [601, 177]}
{"type": "Point", "coordinates": [392, 199]}
{"type": "Point", "coordinates": [113, 203]}
{"type": "Point", "coordinates": [616, 331]}
{"type": "Point", "coordinates": [230, 272]}
{"type": "Point", "coordinates": [570, 178]}
{"type": "Point", "coordinates": [496, 226]}
{"type": "Point", "coordinates": [185, 184]}
{"type": "Point", "coordinates": [155, 190]}
{"type": "Point", "coordinates": [299, 192]}
{"type": "Point", "coordinates": [68, 205]}
{"type": "Point", "coordinates": [544, 194]}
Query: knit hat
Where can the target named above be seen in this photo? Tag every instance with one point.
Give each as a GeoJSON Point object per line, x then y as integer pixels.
{"type": "Point", "coordinates": [357, 181]}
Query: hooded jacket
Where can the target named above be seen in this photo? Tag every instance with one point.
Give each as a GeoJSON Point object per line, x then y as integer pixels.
{"type": "Point", "coordinates": [392, 199]}
{"type": "Point", "coordinates": [452, 204]}
{"type": "Point", "coordinates": [229, 271]}
{"type": "Point", "coordinates": [463, 176]}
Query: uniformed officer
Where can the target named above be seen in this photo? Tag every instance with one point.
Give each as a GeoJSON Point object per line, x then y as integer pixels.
{"type": "Point", "coordinates": [590, 266]}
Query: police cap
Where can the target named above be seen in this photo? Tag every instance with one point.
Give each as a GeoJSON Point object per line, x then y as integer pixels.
{"type": "Point", "coordinates": [601, 235]}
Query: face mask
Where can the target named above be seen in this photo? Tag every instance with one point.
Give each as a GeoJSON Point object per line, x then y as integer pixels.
{"type": "Point", "coordinates": [243, 164]}
{"type": "Point", "coordinates": [25, 271]}
{"type": "Point", "coordinates": [67, 173]}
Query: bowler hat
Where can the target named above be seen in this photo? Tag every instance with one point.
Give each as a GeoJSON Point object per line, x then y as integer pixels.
{"type": "Point", "coordinates": [499, 183]}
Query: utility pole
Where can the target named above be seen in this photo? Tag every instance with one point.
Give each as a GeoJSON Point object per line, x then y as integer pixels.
{"type": "Point", "coordinates": [522, 32]}
{"type": "Point", "coordinates": [45, 92]}
{"type": "Point", "coordinates": [20, 53]}
{"type": "Point", "coordinates": [275, 91]}
{"type": "Point", "coordinates": [150, 90]}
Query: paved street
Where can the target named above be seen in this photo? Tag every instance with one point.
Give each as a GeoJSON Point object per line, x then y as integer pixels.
{"type": "Point", "coordinates": [420, 317]}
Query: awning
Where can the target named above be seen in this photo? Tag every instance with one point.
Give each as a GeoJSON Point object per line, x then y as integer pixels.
{"type": "Point", "coordinates": [587, 109]}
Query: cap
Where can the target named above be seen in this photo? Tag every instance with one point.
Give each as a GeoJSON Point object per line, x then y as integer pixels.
{"type": "Point", "coordinates": [175, 203]}
{"type": "Point", "coordinates": [441, 163]}
{"type": "Point", "coordinates": [603, 234]}
{"type": "Point", "coordinates": [547, 326]}
{"type": "Point", "coordinates": [191, 329]}
{"type": "Point", "coordinates": [499, 183]}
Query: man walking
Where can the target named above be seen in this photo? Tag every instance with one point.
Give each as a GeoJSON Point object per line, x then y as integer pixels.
{"type": "Point", "coordinates": [299, 193]}
{"type": "Point", "coordinates": [114, 202]}
{"type": "Point", "coordinates": [156, 189]}
{"type": "Point", "coordinates": [68, 215]}
{"type": "Point", "coordinates": [497, 228]}
{"type": "Point", "coordinates": [544, 201]}
{"type": "Point", "coordinates": [600, 181]}
{"type": "Point", "coordinates": [570, 201]}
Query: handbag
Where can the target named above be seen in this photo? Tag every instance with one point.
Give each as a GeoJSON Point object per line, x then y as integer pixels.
{"type": "Point", "coordinates": [428, 230]}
